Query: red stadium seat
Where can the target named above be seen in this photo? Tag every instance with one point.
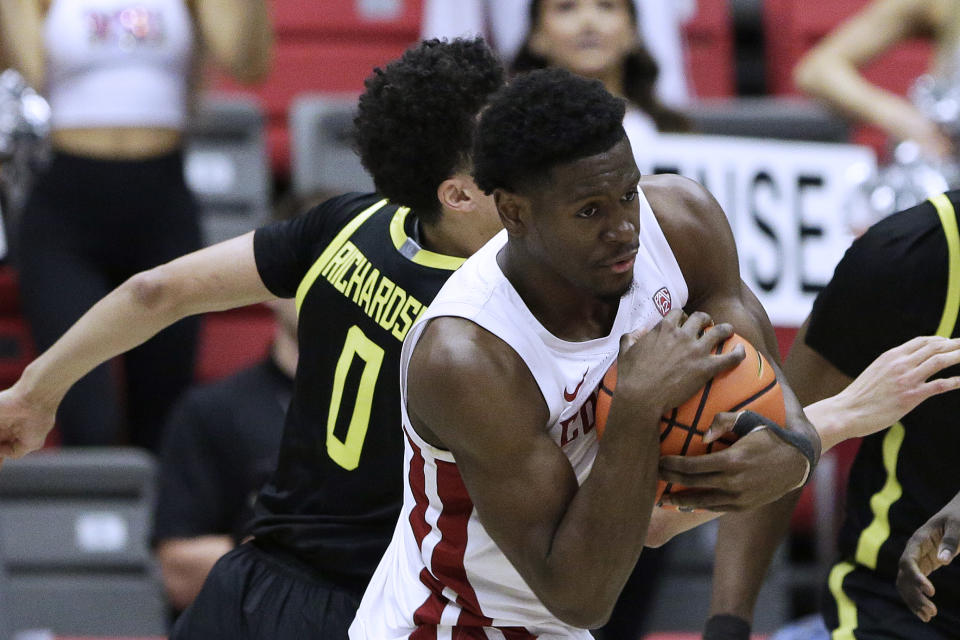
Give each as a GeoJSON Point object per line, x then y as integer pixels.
{"type": "Point", "coordinates": [709, 39]}
{"type": "Point", "coordinates": [348, 17]}
{"type": "Point", "coordinates": [325, 47]}
{"type": "Point", "coordinates": [792, 27]}
{"type": "Point", "coordinates": [232, 340]}
{"type": "Point", "coordinates": [330, 47]}
{"type": "Point", "coordinates": [16, 345]}
{"type": "Point", "coordinates": [229, 340]}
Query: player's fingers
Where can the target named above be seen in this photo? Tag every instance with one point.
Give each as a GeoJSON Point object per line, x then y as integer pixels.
{"type": "Point", "coordinates": [927, 346]}
{"type": "Point", "coordinates": [627, 339]}
{"type": "Point", "coordinates": [926, 610]}
{"type": "Point", "coordinates": [697, 323]}
{"type": "Point", "coordinates": [681, 469]}
{"type": "Point", "coordinates": [937, 362]}
{"type": "Point", "coordinates": [716, 333]}
{"type": "Point", "coordinates": [693, 480]}
{"type": "Point", "coordinates": [723, 422]}
{"type": "Point", "coordinates": [909, 568]}
{"type": "Point", "coordinates": [916, 344]}
{"type": "Point", "coordinates": [940, 385]}
{"type": "Point", "coordinates": [675, 317]}
{"type": "Point", "coordinates": [916, 601]}
{"type": "Point", "coordinates": [910, 585]}
{"type": "Point", "coordinates": [707, 500]}
{"type": "Point", "coordinates": [948, 544]}
{"type": "Point", "coordinates": [728, 360]}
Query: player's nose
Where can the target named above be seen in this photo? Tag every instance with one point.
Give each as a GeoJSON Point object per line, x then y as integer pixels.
{"type": "Point", "coordinates": [622, 230]}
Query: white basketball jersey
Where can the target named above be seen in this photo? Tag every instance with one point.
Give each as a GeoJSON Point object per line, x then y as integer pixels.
{"type": "Point", "coordinates": [442, 575]}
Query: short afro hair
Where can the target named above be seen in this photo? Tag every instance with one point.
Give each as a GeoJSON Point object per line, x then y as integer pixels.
{"type": "Point", "coordinates": [540, 120]}
{"type": "Point", "coordinates": [416, 119]}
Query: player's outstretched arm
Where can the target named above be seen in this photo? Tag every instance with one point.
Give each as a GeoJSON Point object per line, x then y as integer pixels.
{"type": "Point", "coordinates": [212, 279]}
{"type": "Point", "coordinates": [471, 394]}
{"type": "Point", "coordinates": [891, 387]}
{"type": "Point", "coordinates": [930, 547]}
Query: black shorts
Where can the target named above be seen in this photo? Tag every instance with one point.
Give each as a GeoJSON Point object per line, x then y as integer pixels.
{"type": "Point", "coordinates": [860, 601]}
{"type": "Point", "coordinates": [259, 594]}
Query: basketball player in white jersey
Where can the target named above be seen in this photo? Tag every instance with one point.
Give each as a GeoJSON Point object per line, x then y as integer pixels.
{"type": "Point", "coordinates": [517, 522]}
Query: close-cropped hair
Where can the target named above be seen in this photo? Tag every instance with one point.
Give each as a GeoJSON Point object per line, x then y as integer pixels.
{"type": "Point", "coordinates": [640, 73]}
{"type": "Point", "coordinates": [540, 120]}
{"type": "Point", "coordinates": [415, 122]}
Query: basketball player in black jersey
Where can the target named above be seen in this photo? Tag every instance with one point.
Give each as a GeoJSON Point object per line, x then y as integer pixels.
{"type": "Point", "coordinates": [361, 269]}
{"type": "Point", "coordinates": [899, 280]}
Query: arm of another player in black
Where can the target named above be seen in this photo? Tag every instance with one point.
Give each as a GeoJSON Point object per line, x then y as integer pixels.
{"type": "Point", "coordinates": [859, 315]}
{"type": "Point", "coordinates": [747, 541]}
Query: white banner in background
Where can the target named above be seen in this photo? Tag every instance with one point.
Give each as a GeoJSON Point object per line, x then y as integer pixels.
{"type": "Point", "coordinates": [785, 202]}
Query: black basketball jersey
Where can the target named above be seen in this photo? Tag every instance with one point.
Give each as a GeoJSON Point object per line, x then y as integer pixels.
{"type": "Point", "coordinates": [360, 283]}
{"type": "Point", "coordinates": [900, 280]}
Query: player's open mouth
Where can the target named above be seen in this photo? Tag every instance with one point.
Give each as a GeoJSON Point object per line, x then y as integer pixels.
{"type": "Point", "coordinates": [623, 262]}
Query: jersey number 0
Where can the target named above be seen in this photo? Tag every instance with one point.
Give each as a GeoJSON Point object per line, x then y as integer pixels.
{"type": "Point", "coordinates": [346, 452]}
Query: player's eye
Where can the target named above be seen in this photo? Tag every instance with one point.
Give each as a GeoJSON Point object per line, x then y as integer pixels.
{"type": "Point", "coordinates": [587, 212]}
{"type": "Point", "coordinates": [630, 196]}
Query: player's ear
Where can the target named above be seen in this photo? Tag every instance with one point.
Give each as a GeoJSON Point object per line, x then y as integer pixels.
{"type": "Point", "coordinates": [458, 193]}
{"type": "Point", "coordinates": [512, 209]}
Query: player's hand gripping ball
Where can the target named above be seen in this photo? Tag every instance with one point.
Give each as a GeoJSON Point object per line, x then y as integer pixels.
{"type": "Point", "coordinates": [752, 385]}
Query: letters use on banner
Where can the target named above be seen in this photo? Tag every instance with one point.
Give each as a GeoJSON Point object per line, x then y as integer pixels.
{"type": "Point", "coordinates": [786, 202]}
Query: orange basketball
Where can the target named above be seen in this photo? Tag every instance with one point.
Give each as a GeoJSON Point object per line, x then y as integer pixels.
{"type": "Point", "coordinates": [752, 385]}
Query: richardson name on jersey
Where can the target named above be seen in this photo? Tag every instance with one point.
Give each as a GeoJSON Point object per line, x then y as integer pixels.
{"type": "Point", "coordinates": [388, 304]}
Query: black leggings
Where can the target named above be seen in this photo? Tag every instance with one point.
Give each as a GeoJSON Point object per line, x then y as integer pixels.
{"type": "Point", "coordinates": [88, 226]}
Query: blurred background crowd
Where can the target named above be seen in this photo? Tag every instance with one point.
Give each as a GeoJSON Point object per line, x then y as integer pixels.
{"type": "Point", "coordinates": [133, 131]}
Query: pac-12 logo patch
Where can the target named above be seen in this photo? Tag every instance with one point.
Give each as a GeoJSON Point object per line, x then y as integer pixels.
{"type": "Point", "coordinates": [662, 300]}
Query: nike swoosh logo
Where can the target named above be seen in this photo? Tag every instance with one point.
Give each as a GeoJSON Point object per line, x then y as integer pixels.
{"type": "Point", "coordinates": [570, 397]}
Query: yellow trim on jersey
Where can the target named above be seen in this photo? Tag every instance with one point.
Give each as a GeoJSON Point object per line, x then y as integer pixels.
{"type": "Point", "coordinates": [421, 257]}
{"type": "Point", "coordinates": [871, 538]}
{"type": "Point", "coordinates": [948, 218]}
{"type": "Point", "coordinates": [332, 249]}
{"type": "Point", "coordinates": [846, 609]}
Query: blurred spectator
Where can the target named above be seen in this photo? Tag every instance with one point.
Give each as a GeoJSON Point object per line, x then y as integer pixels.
{"type": "Point", "coordinates": [831, 70]}
{"type": "Point", "coordinates": [598, 39]}
{"type": "Point", "coordinates": [24, 129]}
{"type": "Point", "coordinates": [505, 23]}
{"type": "Point", "coordinates": [219, 447]}
{"type": "Point", "coordinates": [120, 76]}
